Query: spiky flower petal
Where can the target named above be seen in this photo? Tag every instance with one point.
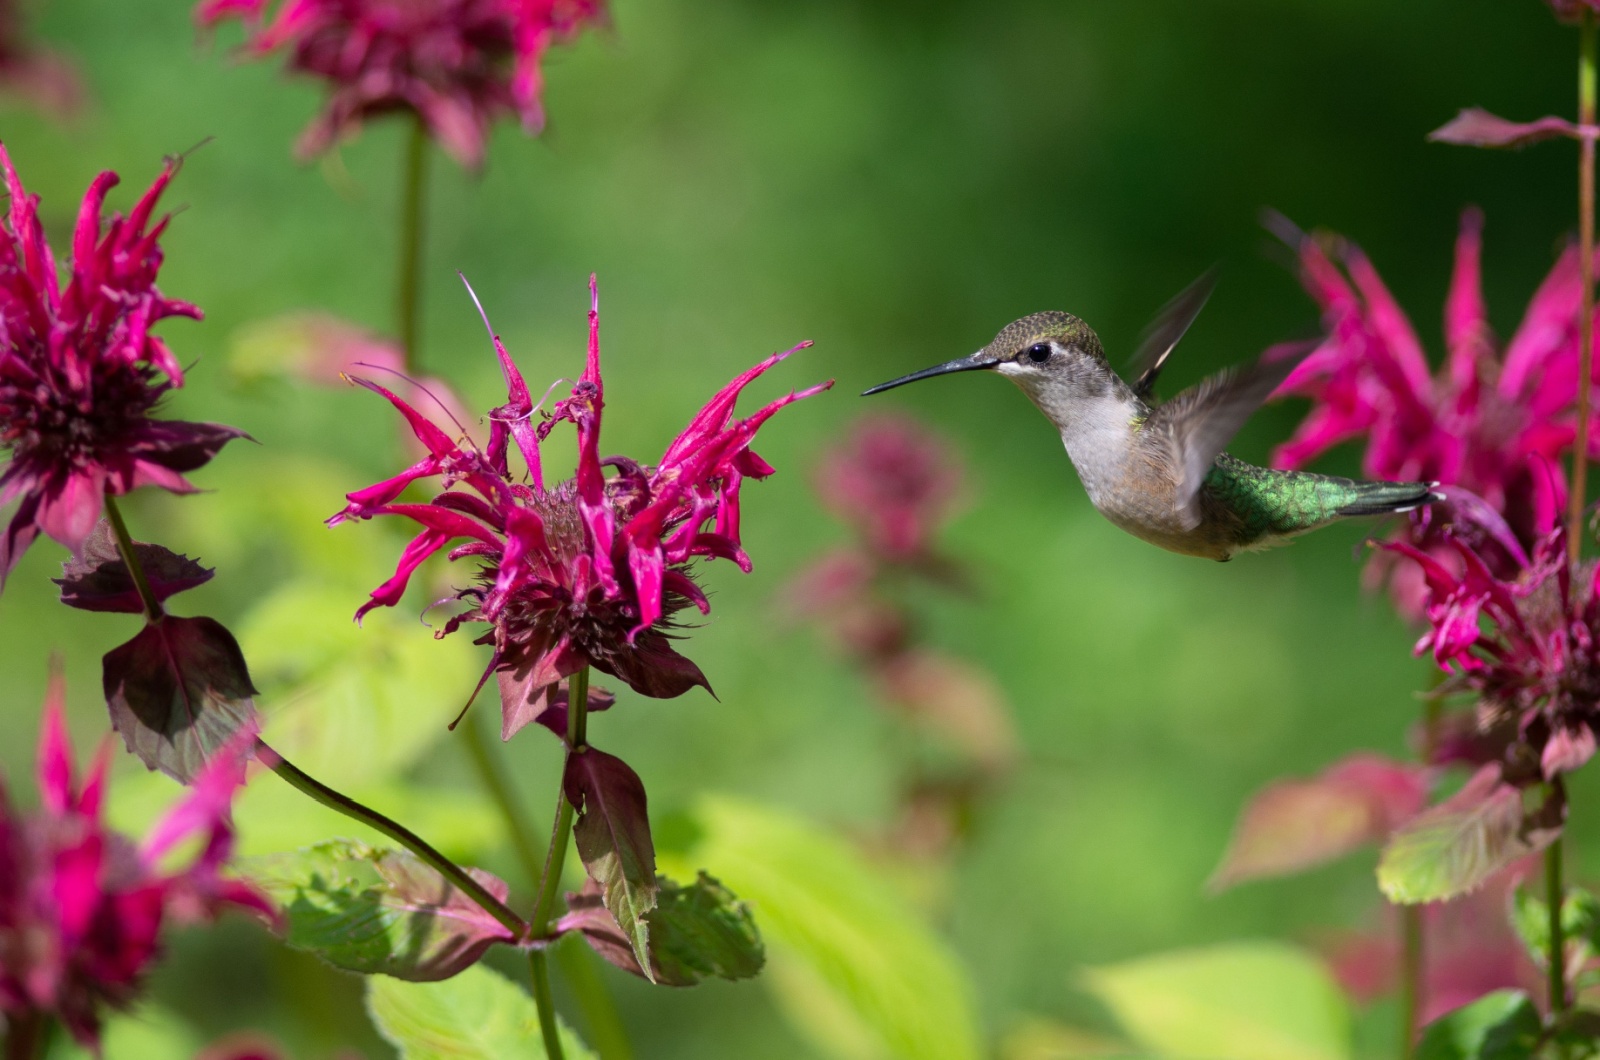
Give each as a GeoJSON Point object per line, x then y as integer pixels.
{"type": "Point", "coordinates": [81, 907]}
{"type": "Point", "coordinates": [81, 372]}
{"type": "Point", "coordinates": [590, 571]}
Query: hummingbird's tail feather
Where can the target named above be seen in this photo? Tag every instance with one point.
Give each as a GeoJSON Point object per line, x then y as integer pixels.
{"type": "Point", "coordinates": [1388, 498]}
{"type": "Point", "coordinates": [1256, 507]}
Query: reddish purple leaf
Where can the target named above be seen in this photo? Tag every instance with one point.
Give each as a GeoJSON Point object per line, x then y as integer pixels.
{"type": "Point", "coordinates": [1292, 825]}
{"type": "Point", "coordinates": [1475, 127]}
{"type": "Point", "coordinates": [97, 579]}
{"type": "Point", "coordinates": [613, 837]}
{"type": "Point", "coordinates": [178, 692]}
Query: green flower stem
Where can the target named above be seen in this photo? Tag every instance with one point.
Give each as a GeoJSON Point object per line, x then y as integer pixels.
{"type": "Point", "coordinates": [1586, 119]}
{"type": "Point", "coordinates": [1411, 957]}
{"type": "Point", "coordinates": [459, 877]}
{"type": "Point", "coordinates": [1557, 955]}
{"type": "Point", "coordinates": [147, 596]}
{"type": "Point", "coordinates": [408, 303]}
{"type": "Point", "coordinates": [550, 881]}
{"type": "Point", "coordinates": [606, 1033]}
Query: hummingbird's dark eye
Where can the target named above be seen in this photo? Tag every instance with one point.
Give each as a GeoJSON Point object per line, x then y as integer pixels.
{"type": "Point", "coordinates": [1039, 352]}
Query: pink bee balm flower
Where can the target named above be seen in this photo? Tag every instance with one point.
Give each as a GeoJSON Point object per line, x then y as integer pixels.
{"type": "Point", "coordinates": [586, 572]}
{"type": "Point", "coordinates": [894, 482]}
{"type": "Point", "coordinates": [81, 907]}
{"type": "Point", "coordinates": [1527, 647]}
{"type": "Point", "coordinates": [80, 371]}
{"type": "Point", "coordinates": [44, 78]}
{"type": "Point", "coordinates": [1481, 424]}
{"type": "Point", "coordinates": [456, 64]}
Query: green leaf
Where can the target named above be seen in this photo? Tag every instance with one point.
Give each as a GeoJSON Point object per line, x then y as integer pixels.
{"type": "Point", "coordinates": [612, 834]}
{"type": "Point", "coordinates": [353, 704]}
{"type": "Point", "coordinates": [1455, 846]}
{"type": "Point", "coordinates": [696, 931]}
{"type": "Point", "coordinates": [1240, 1001]}
{"type": "Point", "coordinates": [1503, 1025]}
{"type": "Point", "coordinates": [852, 963]}
{"type": "Point", "coordinates": [370, 910]}
{"type": "Point", "coordinates": [1580, 924]}
{"type": "Point", "coordinates": [478, 1015]}
{"type": "Point", "coordinates": [177, 692]}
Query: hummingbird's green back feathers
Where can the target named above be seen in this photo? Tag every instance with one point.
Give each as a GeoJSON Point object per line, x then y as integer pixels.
{"type": "Point", "coordinates": [1264, 505]}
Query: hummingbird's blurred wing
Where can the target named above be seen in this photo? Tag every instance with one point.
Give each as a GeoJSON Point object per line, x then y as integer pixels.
{"type": "Point", "coordinates": [1164, 332]}
{"type": "Point", "coordinates": [1200, 422]}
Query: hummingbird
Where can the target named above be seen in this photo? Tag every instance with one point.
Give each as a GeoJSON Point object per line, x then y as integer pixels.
{"type": "Point", "coordinates": [1158, 469]}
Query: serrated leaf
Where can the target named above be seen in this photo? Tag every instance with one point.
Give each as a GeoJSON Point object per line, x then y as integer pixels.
{"type": "Point", "coordinates": [1240, 1001]}
{"type": "Point", "coordinates": [352, 704]}
{"type": "Point", "coordinates": [696, 931]}
{"type": "Point", "coordinates": [1455, 846]}
{"type": "Point", "coordinates": [371, 910]}
{"type": "Point", "coordinates": [478, 1015]}
{"type": "Point", "coordinates": [1503, 1025]}
{"type": "Point", "coordinates": [853, 965]}
{"type": "Point", "coordinates": [612, 834]}
{"type": "Point", "coordinates": [1292, 825]}
{"type": "Point", "coordinates": [97, 578]}
{"type": "Point", "coordinates": [178, 692]}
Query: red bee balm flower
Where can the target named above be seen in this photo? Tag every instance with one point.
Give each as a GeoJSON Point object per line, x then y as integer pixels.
{"type": "Point", "coordinates": [80, 371]}
{"type": "Point", "coordinates": [1527, 647]}
{"type": "Point", "coordinates": [591, 571]}
{"type": "Point", "coordinates": [81, 908]}
{"type": "Point", "coordinates": [457, 64]}
{"type": "Point", "coordinates": [1481, 423]}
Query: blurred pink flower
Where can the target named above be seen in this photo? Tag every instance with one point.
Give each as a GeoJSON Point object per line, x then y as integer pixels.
{"type": "Point", "coordinates": [81, 907]}
{"type": "Point", "coordinates": [456, 64]}
{"type": "Point", "coordinates": [1572, 10]}
{"type": "Point", "coordinates": [1471, 950]}
{"type": "Point", "coordinates": [80, 371]}
{"type": "Point", "coordinates": [894, 482]}
{"type": "Point", "coordinates": [44, 78]}
{"type": "Point", "coordinates": [1528, 648]}
{"type": "Point", "coordinates": [1489, 423]}
{"type": "Point", "coordinates": [590, 571]}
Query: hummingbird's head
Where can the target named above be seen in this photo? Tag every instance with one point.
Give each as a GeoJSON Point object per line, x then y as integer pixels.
{"type": "Point", "coordinates": [1040, 353]}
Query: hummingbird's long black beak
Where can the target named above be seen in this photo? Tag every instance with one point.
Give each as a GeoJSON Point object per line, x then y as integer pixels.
{"type": "Point", "coordinates": [960, 364]}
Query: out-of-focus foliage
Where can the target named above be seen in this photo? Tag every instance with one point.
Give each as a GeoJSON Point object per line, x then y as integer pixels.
{"type": "Point", "coordinates": [896, 181]}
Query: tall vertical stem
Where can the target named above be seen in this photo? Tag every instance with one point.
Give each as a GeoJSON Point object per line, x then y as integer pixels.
{"type": "Point", "coordinates": [606, 1034]}
{"type": "Point", "coordinates": [1411, 965]}
{"type": "Point", "coordinates": [550, 884]}
{"type": "Point", "coordinates": [408, 306]}
{"type": "Point", "coordinates": [1557, 956]}
{"type": "Point", "coordinates": [1586, 120]}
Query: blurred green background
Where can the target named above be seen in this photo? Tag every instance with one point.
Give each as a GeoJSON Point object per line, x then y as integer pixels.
{"type": "Point", "coordinates": [895, 180]}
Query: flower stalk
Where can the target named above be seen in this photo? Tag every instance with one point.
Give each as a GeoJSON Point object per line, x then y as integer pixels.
{"type": "Point", "coordinates": [152, 606]}
{"type": "Point", "coordinates": [319, 792]}
{"type": "Point", "coordinates": [413, 196]}
{"type": "Point", "coordinates": [1586, 121]}
{"type": "Point", "coordinates": [555, 858]}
